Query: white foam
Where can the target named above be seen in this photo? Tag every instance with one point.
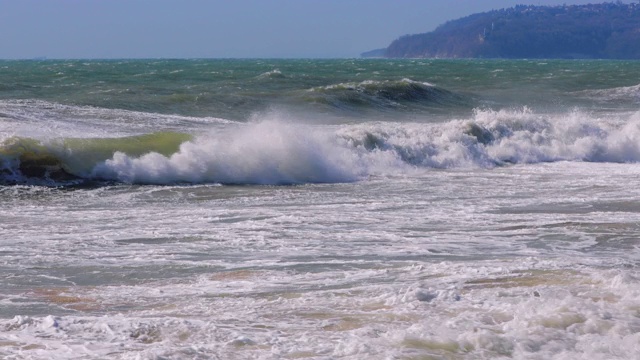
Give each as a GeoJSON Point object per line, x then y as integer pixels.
{"type": "Point", "coordinates": [516, 309]}
{"type": "Point", "coordinates": [525, 137]}
{"type": "Point", "coordinates": [511, 136]}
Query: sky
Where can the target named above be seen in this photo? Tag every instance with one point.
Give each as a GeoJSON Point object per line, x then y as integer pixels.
{"type": "Point", "coordinates": [88, 29]}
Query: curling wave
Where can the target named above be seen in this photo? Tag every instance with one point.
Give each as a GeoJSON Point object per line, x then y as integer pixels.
{"type": "Point", "coordinates": [67, 160]}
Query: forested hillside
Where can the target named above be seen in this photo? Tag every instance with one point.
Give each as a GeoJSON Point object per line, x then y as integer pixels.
{"type": "Point", "coordinates": [608, 31]}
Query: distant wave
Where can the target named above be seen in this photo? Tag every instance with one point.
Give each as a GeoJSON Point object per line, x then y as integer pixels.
{"type": "Point", "coordinates": [273, 74]}
{"type": "Point", "coordinates": [274, 152]}
{"type": "Point", "coordinates": [624, 93]}
{"type": "Point", "coordinates": [383, 94]}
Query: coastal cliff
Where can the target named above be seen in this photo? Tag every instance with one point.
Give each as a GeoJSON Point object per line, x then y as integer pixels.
{"type": "Point", "coordinates": [594, 31]}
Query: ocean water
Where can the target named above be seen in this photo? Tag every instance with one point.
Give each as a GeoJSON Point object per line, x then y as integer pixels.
{"type": "Point", "coordinates": [319, 209]}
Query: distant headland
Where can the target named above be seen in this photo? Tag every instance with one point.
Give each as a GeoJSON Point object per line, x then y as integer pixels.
{"type": "Point", "coordinates": [594, 31]}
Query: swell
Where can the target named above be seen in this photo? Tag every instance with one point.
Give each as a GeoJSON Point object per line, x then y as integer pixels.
{"type": "Point", "coordinates": [389, 94]}
{"type": "Point", "coordinates": [629, 94]}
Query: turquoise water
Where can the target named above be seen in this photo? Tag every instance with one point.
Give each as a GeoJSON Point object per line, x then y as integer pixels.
{"type": "Point", "coordinates": [235, 89]}
{"type": "Point", "coordinates": [320, 209]}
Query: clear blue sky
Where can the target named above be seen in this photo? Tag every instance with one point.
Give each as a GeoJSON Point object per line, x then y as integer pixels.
{"type": "Point", "coordinates": [222, 28]}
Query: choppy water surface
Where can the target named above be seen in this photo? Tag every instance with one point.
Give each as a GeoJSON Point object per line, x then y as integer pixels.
{"type": "Point", "coordinates": [320, 209]}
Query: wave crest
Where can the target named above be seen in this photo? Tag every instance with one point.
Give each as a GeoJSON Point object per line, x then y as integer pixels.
{"type": "Point", "coordinates": [273, 74]}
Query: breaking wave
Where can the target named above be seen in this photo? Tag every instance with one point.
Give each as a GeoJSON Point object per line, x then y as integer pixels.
{"type": "Point", "coordinates": [496, 138]}
{"type": "Point", "coordinates": [275, 152]}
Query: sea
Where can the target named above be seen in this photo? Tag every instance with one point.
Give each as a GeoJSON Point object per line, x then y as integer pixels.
{"type": "Point", "coordinates": [319, 209]}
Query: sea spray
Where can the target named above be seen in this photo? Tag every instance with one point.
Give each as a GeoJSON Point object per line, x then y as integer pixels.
{"type": "Point", "coordinates": [257, 153]}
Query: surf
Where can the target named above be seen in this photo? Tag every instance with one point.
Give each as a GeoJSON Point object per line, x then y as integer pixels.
{"type": "Point", "coordinates": [275, 152]}
{"type": "Point", "coordinates": [270, 150]}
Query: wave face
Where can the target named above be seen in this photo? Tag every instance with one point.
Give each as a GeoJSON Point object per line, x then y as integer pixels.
{"type": "Point", "coordinates": [384, 95]}
{"type": "Point", "coordinates": [270, 151]}
{"type": "Point", "coordinates": [67, 160]}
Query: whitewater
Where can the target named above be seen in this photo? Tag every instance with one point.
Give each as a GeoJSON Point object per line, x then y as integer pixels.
{"type": "Point", "coordinates": [319, 209]}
